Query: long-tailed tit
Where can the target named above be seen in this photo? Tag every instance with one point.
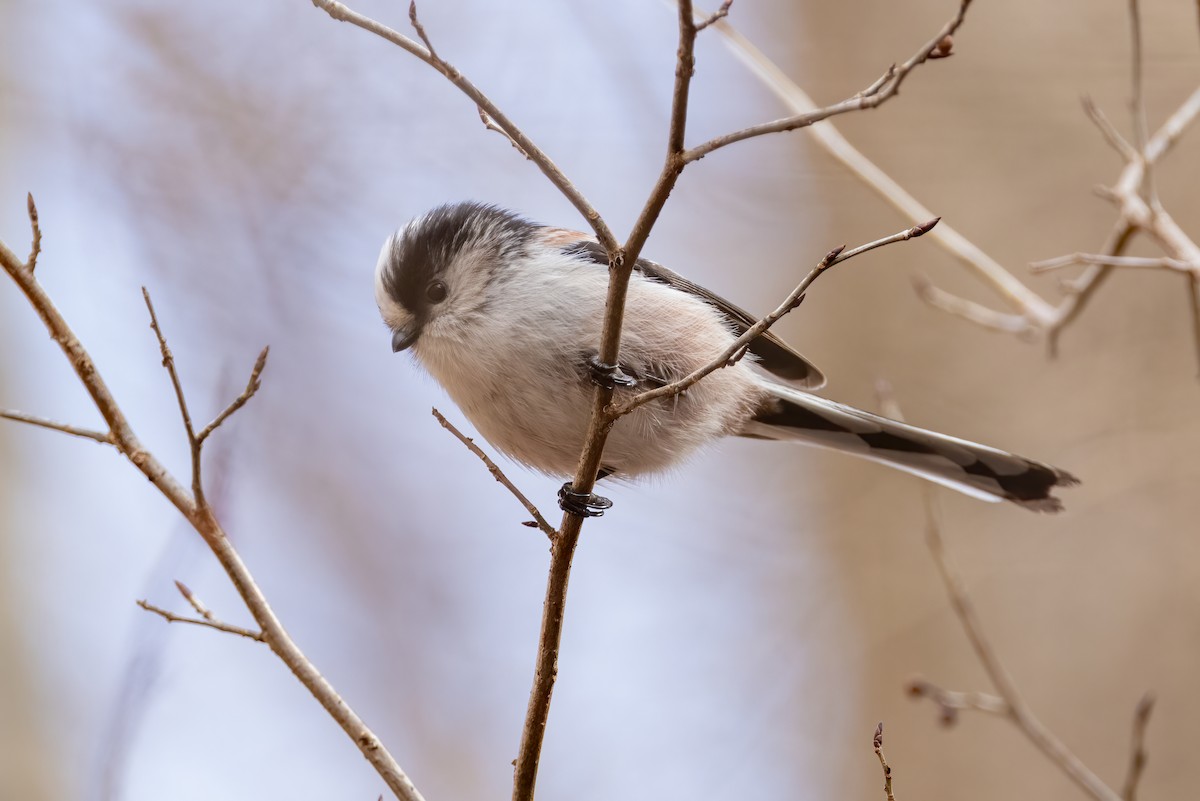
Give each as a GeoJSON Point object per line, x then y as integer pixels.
{"type": "Point", "coordinates": [506, 315]}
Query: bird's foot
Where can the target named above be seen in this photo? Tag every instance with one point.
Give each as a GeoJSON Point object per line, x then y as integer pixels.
{"type": "Point", "coordinates": [609, 376]}
{"type": "Point", "coordinates": [582, 504]}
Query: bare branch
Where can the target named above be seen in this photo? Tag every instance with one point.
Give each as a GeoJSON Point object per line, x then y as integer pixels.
{"type": "Point", "coordinates": [734, 352]}
{"type": "Point", "coordinates": [170, 617]}
{"type": "Point", "coordinates": [1137, 752]}
{"type": "Point", "coordinates": [206, 525]}
{"type": "Point", "coordinates": [342, 13]}
{"type": "Point", "coordinates": [168, 361]}
{"type": "Point", "coordinates": [36, 248]}
{"type": "Point", "coordinates": [879, 91]}
{"type": "Point", "coordinates": [498, 474]}
{"type": "Point", "coordinates": [252, 387]}
{"type": "Point", "coordinates": [721, 13]}
{"type": "Point", "coordinates": [877, 742]}
{"type": "Point", "coordinates": [75, 431]}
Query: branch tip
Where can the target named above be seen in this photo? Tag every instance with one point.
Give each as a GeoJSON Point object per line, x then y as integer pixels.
{"type": "Point", "coordinates": [36, 248]}
{"type": "Point", "coordinates": [925, 227]}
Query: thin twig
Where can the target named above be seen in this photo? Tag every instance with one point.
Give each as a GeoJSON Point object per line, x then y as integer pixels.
{"type": "Point", "coordinates": [252, 387]}
{"type": "Point", "coordinates": [733, 352]}
{"type": "Point", "coordinates": [721, 13]}
{"type": "Point", "coordinates": [498, 474]}
{"type": "Point", "coordinates": [168, 361]}
{"type": "Point", "coordinates": [877, 742]}
{"type": "Point", "coordinates": [193, 601]}
{"type": "Point", "coordinates": [36, 248]}
{"type": "Point", "coordinates": [420, 29]}
{"type": "Point", "coordinates": [1137, 750]}
{"type": "Point", "coordinates": [171, 617]}
{"type": "Point", "coordinates": [75, 431]}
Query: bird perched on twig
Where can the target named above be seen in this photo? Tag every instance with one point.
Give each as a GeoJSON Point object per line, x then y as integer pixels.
{"type": "Point", "coordinates": [506, 315]}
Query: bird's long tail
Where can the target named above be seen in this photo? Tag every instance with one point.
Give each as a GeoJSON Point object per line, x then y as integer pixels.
{"type": "Point", "coordinates": [977, 470]}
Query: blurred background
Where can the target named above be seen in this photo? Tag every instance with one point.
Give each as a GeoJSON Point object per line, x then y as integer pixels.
{"type": "Point", "coordinates": [735, 628]}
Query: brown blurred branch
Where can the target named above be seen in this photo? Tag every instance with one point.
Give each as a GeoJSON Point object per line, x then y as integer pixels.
{"type": "Point", "coordinates": [498, 474]}
{"type": "Point", "coordinates": [1008, 702]}
{"type": "Point", "coordinates": [1032, 315]}
{"type": "Point", "coordinates": [199, 515]}
{"type": "Point", "coordinates": [1137, 751]}
{"type": "Point", "coordinates": [41, 422]}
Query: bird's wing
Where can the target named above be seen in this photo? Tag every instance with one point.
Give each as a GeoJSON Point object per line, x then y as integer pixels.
{"type": "Point", "coordinates": [774, 355]}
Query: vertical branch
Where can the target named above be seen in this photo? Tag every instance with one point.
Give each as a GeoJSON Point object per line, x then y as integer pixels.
{"type": "Point", "coordinates": [562, 550]}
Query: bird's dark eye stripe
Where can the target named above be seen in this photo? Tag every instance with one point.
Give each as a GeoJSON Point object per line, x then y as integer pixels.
{"type": "Point", "coordinates": [436, 291]}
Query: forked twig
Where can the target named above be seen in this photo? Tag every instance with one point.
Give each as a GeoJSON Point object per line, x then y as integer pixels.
{"type": "Point", "coordinates": [171, 617]}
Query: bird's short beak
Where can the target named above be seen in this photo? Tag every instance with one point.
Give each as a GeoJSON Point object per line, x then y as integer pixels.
{"type": "Point", "coordinates": [404, 336]}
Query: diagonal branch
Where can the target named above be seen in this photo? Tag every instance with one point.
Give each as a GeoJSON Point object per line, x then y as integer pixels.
{"type": "Point", "coordinates": [41, 422]}
{"type": "Point", "coordinates": [252, 386]}
{"type": "Point", "coordinates": [498, 474]}
{"type": "Point", "coordinates": [1137, 753]}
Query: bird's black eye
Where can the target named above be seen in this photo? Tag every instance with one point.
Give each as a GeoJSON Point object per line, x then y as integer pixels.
{"type": "Point", "coordinates": [436, 291]}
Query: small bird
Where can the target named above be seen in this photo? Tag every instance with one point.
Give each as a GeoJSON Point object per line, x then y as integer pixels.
{"type": "Point", "coordinates": [506, 315]}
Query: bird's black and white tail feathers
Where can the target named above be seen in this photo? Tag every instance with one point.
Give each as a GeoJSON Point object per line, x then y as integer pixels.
{"type": "Point", "coordinates": [970, 468]}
